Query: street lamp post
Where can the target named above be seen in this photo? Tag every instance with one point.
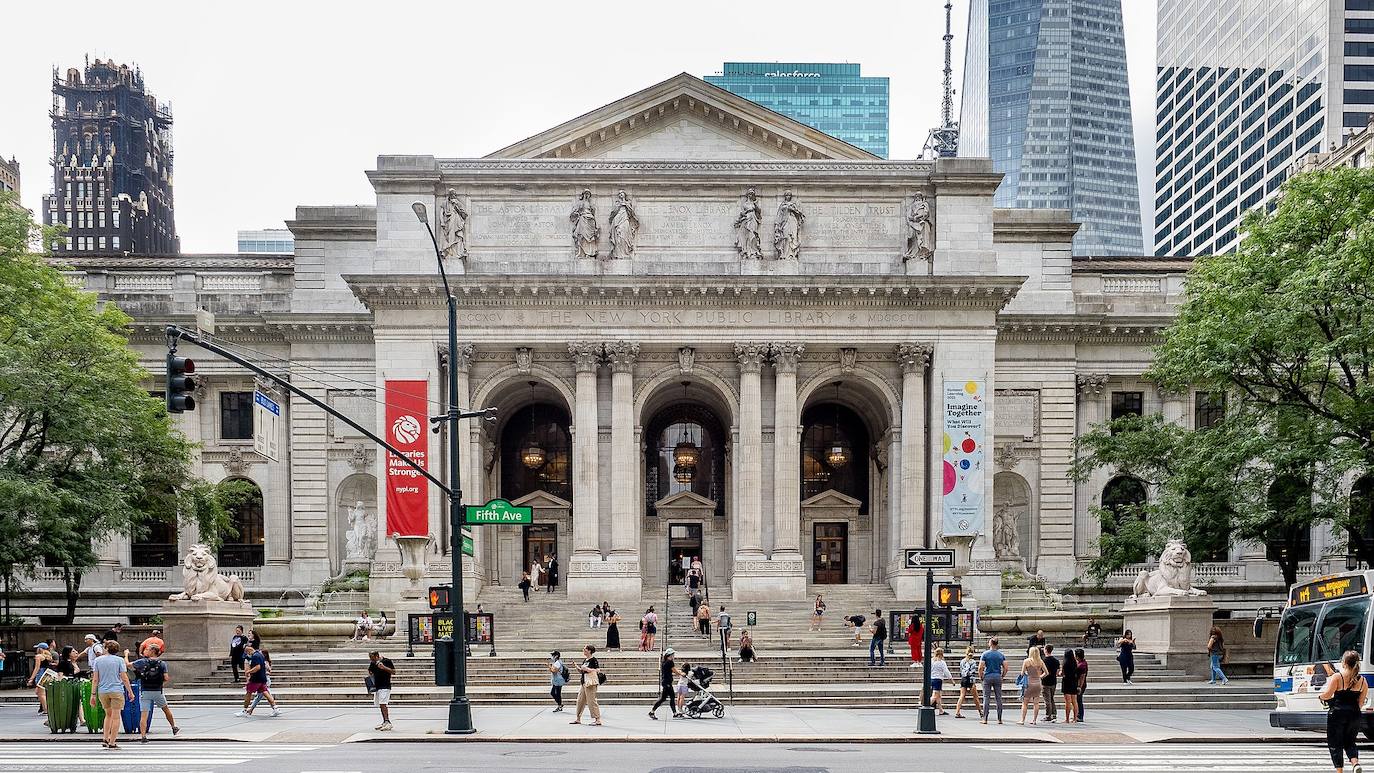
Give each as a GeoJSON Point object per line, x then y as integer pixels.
{"type": "Point", "coordinates": [459, 709]}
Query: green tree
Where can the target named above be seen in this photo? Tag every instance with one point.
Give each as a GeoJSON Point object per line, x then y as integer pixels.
{"type": "Point", "coordinates": [82, 443]}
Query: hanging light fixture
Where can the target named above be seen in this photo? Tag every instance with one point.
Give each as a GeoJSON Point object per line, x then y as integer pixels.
{"type": "Point", "coordinates": [532, 454]}
{"type": "Point", "coordinates": [686, 454]}
{"type": "Point", "coordinates": [837, 453]}
{"type": "Point", "coordinates": [684, 474]}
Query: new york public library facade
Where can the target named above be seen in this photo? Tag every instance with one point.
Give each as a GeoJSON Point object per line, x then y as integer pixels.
{"type": "Point", "coordinates": [708, 330]}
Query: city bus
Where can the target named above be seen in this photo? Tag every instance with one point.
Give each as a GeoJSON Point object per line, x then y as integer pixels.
{"type": "Point", "coordinates": [1324, 619]}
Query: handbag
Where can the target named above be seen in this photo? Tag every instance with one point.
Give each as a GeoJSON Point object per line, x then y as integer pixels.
{"type": "Point", "coordinates": [1022, 680]}
{"type": "Point", "coordinates": [370, 683]}
{"type": "Point", "coordinates": [600, 677]}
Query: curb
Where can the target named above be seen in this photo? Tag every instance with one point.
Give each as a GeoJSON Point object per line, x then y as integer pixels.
{"type": "Point", "coordinates": [438, 737]}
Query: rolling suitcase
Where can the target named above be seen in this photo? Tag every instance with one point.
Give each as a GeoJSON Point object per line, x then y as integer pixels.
{"type": "Point", "coordinates": [63, 696]}
{"type": "Point", "coordinates": [130, 715]}
{"type": "Point", "coordinates": [94, 715]}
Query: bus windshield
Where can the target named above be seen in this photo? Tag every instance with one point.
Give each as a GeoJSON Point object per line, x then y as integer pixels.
{"type": "Point", "coordinates": [1313, 633]}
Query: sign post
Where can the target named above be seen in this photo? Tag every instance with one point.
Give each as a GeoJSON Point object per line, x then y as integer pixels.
{"type": "Point", "coordinates": [925, 715]}
{"type": "Point", "coordinates": [498, 512]}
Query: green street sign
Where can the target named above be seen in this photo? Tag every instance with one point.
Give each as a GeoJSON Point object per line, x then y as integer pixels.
{"type": "Point", "coordinates": [467, 546]}
{"type": "Point", "coordinates": [498, 512]}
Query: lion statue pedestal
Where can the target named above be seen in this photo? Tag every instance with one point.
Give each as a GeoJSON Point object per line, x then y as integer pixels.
{"type": "Point", "coordinates": [198, 622]}
{"type": "Point", "coordinates": [1169, 617]}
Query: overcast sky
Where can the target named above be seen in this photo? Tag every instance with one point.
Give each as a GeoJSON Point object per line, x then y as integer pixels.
{"type": "Point", "coordinates": [284, 103]}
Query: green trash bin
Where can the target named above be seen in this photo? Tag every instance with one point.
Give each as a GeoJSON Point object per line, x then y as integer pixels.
{"type": "Point", "coordinates": [94, 715]}
{"type": "Point", "coordinates": [64, 697]}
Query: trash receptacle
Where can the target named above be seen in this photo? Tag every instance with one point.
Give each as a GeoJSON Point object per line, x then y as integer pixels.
{"type": "Point", "coordinates": [443, 662]}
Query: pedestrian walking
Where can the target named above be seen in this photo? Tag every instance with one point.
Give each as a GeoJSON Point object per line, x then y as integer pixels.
{"type": "Point", "coordinates": [536, 571]}
{"type": "Point", "coordinates": [992, 669]}
{"type": "Point", "coordinates": [379, 671]}
{"type": "Point", "coordinates": [666, 669]}
{"type": "Point", "coordinates": [254, 639]}
{"type": "Point", "coordinates": [704, 620]}
{"type": "Point", "coordinates": [236, 644]}
{"type": "Point", "coordinates": [42, 658]}
{"type": "Point", "coordinates": [152, 675]}
{"type": "Point", "coordinates": [1345, 695]}
{"type": "Point", "coordinates": [878, 639]}
{"type": "Point", "coordinates": [1216, 654]}
{"type": "Point", "coordinates": [558, 676]}
{"type": "Point", "coordinates": [590, 679]}
{"type": "Point", "coordinates": [1069, 686]}
{"type": "Point", "coordinates": [915, 632]}
{"type": "Point", "coordinates": [817, 610]}
{"type": "Point", "coordinates": [1081, 661]}
{"type": "Point", "coordinates": [724, 626]}
{"type": "Point", "coordinates": [939, 675]}
{"type": "Point", "coordinates": [1125, 655]}
{"type": "Point", "coordinates": [746, 647]}
{"type": "Point", "coordinates": [155, 640]}
{"type": "Point", "coordinates": [612, 619]}
{"type": "Point", "coordinates": [857, 623]}
{"type": "Point", "coordinates": [1032, 684]}
{"type": "Point", "coordinates": [684, 673]}
{"type": "Point", "coordinates": [1051, 682]}
{"type": "Point", "coordinates": [694, 579]}
{"type": "Point", "coordinates": [968, 682]}
{"type": "Point", "coordinates": [553, 573]}
{"type": "Point", "coordinates": [524, 585]}
{"type": "Point", "coordinates": [112, 688]}
{"type": "Point", "coordinates": [116, 631]}
{"type": "Point", "coordinates": [256, 672]}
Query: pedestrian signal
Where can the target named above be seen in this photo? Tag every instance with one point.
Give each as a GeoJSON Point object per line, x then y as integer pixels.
{"type": "Point", "coordinates": [950, 595]}
{"type": "Point", "coordinates": [180, 385]}
{"type": "Point", "coordinates": [438, 597]}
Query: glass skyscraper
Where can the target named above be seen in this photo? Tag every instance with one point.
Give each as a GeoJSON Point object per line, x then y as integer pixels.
{"type": "Point", "coordinates": [1045, 96]}
{"type": "Point", "coordinates": [833, 98]}
{"type": "Point", "coordinates": [1244, 89]}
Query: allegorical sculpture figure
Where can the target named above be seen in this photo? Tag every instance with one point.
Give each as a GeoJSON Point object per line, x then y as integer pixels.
{"type": "Point", "coordinates": [362, 533]}
{"type": "Point", "coordinates": [747, 223]}
{"type": "Point", "coordinates": [1174, 577]}
{"type": "Point", "coordinates": [920, 231]}
{"type": "Point", "coordinates": [585, 231]}
{"type": "Point", "coordinates": [787, 228]}
{"type": "Point", "coordinates": [624, 226]}
{"type": "Point", "coordinates": [201, 580]}
{"type": "Point", "coordinates": [1005, 542]}
{"type": "Point", "coordinates": [453, 228]}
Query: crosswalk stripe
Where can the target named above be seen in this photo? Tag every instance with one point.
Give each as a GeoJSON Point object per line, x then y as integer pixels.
{"type": "Point", "coordinates": [1149, 758]}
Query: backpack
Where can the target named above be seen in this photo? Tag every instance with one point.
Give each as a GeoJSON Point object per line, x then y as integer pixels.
{"type": "Point", "coordinates": [151, 671]}
{"type": "Point", "coordinates": [567, 676]}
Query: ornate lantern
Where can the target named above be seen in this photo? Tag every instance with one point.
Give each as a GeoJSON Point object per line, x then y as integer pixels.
{"type": "Point", "coordinates": [532, 454]}
{"type": "Point", "coordinates": [837, 453]}
{"type": "Point", "coordinates": [686, 454]}
{"type": "Point", "coordinates": [684, 474]}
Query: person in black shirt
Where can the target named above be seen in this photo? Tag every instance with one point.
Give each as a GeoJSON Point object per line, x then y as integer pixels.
{"type": "Point", "coordinates": [1036, 640]}
{"type": "Point", "coordinates": [66, 662]}
{"type": "Point", "coordinates": [665, 683]}
{"type": "Point", "coordinates": [151, 673]}
{"type": "Point", "coordinates": [590, 675]}
{"type": "Point", "coordinates": [113, 633]}
{"type": "Point", "coordinates": [381, 669]}
{"type": "Point", "coordinates": [236, 645]}
{"type": "Point", "coordinates": [1050, 682]}
{"type": "Point", "coordinates": [878, 640]}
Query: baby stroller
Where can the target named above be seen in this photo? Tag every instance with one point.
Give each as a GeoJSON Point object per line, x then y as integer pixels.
{"type": "Point", "coordinates": [701, 700]}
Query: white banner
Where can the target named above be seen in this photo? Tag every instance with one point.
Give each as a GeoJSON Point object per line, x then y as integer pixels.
{"type": "Point", "coordinates": [964, 458]}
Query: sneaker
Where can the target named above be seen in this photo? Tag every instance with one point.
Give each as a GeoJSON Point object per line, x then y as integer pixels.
{"type": "Point", "coordinates": [1357, 769]}
{"type": "Point", "coordinates": [276, 713]}
{"type": "Point", "coordinates": [384, 726]}
{"type": "Point", "coordinates": [240, 713]}
{"type": "Point", "coordinates": [175, 730]}
{"type": "Point", "coordinates": [379, 727]}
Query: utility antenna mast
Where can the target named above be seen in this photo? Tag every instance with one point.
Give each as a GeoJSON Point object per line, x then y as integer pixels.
{"type": "Point", "coordinates": [943, 140]}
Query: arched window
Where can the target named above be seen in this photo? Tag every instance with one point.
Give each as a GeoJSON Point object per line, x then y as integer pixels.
{"type": "Point", "coordinates": [690, 433]}
{"type": "Point", "coordinates": [834, 453]}
{"type": "Point", "coordinates": [1121, 495]}
{"type": "Point", "coordinates": [536, 452]}
{"type": "Point", "coordinates": [154, 545]}
{"type": "Point", "coordinates": [1362, 518]}
{"type": "Point", "coordinates": [1290, 500]}
{"type": "Point", "coordinates": [245, 547]}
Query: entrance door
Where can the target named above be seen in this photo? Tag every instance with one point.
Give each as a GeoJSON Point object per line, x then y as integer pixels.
{"type": "Point", "coordinates": [541, 542]}
{"type": "Point", "coordinates": [831, 553]}
{"type": "Point", "coordinates": [684, 546]}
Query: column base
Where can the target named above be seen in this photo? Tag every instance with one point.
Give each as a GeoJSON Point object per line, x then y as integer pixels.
{"type": "Point", "coordinates": [759, 579]}
{"type": "Point", "coordinates": [1173, 628]}
{"type": "Point", "coordinates": [615, 578]}
{"type": "Point", "coordinates": [200, 630]}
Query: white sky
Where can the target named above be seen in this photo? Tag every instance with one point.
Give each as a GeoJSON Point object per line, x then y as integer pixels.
{"type": "Point", "coordinates": [285, 103]}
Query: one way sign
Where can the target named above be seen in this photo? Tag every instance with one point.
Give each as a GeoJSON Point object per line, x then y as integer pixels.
{"type": "Point", "coordinates": [929, 559]}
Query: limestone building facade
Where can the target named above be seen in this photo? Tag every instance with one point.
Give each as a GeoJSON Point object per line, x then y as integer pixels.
{"type": "Point", "coordinates": [708, 331]}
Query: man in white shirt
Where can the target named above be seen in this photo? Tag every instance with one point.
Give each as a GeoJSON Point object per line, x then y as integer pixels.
{"type": "Point", "coordinates": [362, 628]}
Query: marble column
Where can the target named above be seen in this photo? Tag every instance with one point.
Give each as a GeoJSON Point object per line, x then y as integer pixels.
{"type": "Point", "coordinates": [786, 452]}
{"type": "Point", "coordinates": [473, 569]}
{"type": "Point", "coordinates": [621, 356]}
{"type": "Point", "coordinates": [748, 519]}
{"type": "Point", "coordinates": [908, 512]}
{"type": "Point", "coordinates": [586, 509]}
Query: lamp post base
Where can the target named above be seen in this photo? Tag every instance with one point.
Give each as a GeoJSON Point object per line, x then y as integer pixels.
{"type": "Point", "coordinates": [459, 717]}
{"type": "Point", "coordinates": [925, 721]}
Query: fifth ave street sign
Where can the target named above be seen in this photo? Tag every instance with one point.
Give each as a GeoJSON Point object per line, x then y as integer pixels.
{"type": "Point", "coordinates": [497, 512]}
{"type": "Point", "coordinates": [929, 559]}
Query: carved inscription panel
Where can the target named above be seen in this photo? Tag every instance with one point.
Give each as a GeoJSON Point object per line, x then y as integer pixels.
{"type": "Point", "coordinates": [1017, 412]}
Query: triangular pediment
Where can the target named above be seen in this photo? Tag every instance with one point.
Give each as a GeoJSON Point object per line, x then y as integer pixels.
{"type": "Point", "coordinates": [685, 499]}
{"type": "Point", "coordinates": [542, 500]}
{"type": "Point", "coordinates": [831, 498]}
{"type": "Point", "coordinates": [683, 118]}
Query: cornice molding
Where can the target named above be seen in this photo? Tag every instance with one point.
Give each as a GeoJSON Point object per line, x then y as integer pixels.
{"type": "Point", "coordinates": [1081, 329]}
{"type": "Point", "coordinates": [184, 263]}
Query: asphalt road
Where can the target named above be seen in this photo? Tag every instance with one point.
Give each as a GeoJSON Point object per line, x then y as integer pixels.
{"type": "Point", "coordinates": [480, 757]}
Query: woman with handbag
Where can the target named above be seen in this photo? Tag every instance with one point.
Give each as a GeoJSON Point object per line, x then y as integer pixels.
{"type": "Point", "coordinates": [1032, 671]}
{"type": "Point", "coordinates": [590, 679]}
{"type": "Point", "coordinates": [968, 683]}
{"type": "Point", "coordinates": [1345, 695]}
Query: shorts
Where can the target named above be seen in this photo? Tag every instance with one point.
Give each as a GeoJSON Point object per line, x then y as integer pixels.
{"type": "Point", "coordinates": [252, 687]}
{"type": "Point", "coordinates": [381, 697]}
{"type": "Point", "coordinates": [936, 685]}
{"type": "Point", "coordinates": [651, 629]}
{"type": "Point", "coordinates": [683, 689]}
{"type": "Point", "coordinates": [149, 699]}
{"type": "Point", "coordinates": [112, 702]}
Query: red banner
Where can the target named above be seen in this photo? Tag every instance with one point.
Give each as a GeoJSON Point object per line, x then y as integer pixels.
{"type": "Point", "coordinates": [407, 492]}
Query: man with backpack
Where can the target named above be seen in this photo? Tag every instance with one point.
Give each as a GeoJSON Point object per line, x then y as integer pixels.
{"type": "Point", "coordinates": [879, 639]}
{"type": "Point", "coordinates": [151, 672]}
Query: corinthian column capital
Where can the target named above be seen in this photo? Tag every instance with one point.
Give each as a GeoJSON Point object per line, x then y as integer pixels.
{"type": "Point", "coordinates": [914, 358]}
{"type": "Point", "coordinates": [786, 355]}
{"type": "Point", "coordinates": [622, 355]}
{"type": "Point", "coordinates": [586, 355]}
{"type": "Point", "coordinates": [751, 356]}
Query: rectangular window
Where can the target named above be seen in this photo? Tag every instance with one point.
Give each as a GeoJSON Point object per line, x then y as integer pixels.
{"type": "Point", "coordinates": [1127, 404]}
{"type": "Point", "coordinates": [236, 415]}
{"type": "Point", "coordinates": [1208, 409]}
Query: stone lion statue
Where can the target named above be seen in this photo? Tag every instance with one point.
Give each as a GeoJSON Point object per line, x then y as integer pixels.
{"type": "Point", "coordinates": [202, 580]}
{"type": "Point", "coordinates": [1174, 577]}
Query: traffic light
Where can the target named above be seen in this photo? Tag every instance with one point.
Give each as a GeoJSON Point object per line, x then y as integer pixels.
{"type": "Point", "coordinates": [438, 596]}
{"type": "Point", "coordinates": [180, 384]}
{"type": "Point", "coordinates": [950, 595]}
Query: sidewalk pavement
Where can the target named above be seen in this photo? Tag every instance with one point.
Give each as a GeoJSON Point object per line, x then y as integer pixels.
{"type": "Point", "coordinates": [341, 724]}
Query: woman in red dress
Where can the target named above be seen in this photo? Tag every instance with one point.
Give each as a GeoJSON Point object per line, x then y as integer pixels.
{"type": "Point", "coordinates": [915, 635]}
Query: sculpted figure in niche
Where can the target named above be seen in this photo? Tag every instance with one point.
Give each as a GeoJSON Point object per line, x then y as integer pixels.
{"type": "Point", "coordinates": [920, 231]}
{"type": "Point", "coordinates": [747, 224]}
{"type": "Point", "coordinates": [624, 226]}
{"type": "Point", "coordinates": [787, 228]}
{"type": "Point", "coordinates": [362, 533]}
{"type": "Point", "coordinates": [585, 231]}
{"type": "Point", "coordinates": [453, 228]}
{"type": "Point", "coordinates": [1005, 542]}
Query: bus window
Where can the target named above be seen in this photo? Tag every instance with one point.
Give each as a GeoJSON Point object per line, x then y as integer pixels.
{"type": "Point", "coordinates": [1295, 635]}
{"type": "Point", "coordinates": [1342, 629]}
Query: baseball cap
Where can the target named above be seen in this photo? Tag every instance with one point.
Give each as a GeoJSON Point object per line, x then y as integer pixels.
{"type": "Point", "coordinates": [157, 632]}
{"type": "Point", "coordinates": [40, 646]}
{"type": "Point", "coordinates": [670, 651]}
{"type": "Point", "coordinates": [91, 637]}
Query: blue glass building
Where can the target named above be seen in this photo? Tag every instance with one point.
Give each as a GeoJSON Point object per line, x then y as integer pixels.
{"type": "Point", "coordinates": [833, 98]}
{"type": "Point", "coordinates": [1045, 96]}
